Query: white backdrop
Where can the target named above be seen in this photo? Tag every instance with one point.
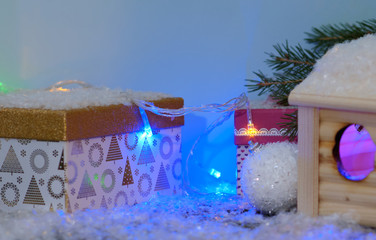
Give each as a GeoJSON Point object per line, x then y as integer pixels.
{"type": "Point", "coordinates": [199, 50]}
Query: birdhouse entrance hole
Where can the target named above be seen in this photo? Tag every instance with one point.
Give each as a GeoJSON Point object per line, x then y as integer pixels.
{"type": "Point", "coordinates": [354, 152]}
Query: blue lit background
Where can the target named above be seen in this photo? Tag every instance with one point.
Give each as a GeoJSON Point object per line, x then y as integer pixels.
{"type": "Point", "coordinates": [199, 50]}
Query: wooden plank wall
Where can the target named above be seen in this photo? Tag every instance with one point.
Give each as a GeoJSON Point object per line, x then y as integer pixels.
{"type": "Point", "coordinates": [308, 161]}
{"type": "Point", "coordinates": [337, 194]}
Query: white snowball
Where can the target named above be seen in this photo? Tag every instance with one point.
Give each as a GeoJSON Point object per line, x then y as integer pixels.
{"type": "Point", "coordinates": [269, 177]}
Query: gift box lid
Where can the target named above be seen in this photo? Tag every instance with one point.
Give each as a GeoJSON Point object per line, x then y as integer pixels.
{"type": "Point", "coordinates": [265, 128]}
{"type": "Point", "coordinates": [42, 120]}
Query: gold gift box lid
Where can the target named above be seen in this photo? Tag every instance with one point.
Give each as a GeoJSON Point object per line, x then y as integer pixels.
{"type": "Point", "coordinates": [73, 124]}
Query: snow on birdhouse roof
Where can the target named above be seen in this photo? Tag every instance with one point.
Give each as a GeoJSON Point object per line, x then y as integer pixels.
{"type": "Point", "coordinates": [344, 78]}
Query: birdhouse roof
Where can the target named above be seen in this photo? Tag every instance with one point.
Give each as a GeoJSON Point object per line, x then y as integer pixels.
{"type": "Point", "coordinates": [344, 78]}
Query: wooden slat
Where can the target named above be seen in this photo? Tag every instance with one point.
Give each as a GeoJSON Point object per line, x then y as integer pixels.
{"type": "Point", "coordinates": [328, 130]}
{"type": "Point", "coordinates": [326, 151]}
{"type": "Point", "coordinates": [348, 192]}
{"type": "Point", "coordinates": [329, 173]}
{"type": "Point", "coordinates": [365, 215]}
{"type": "Point", "coordinates": [333, 102]}
{"type": "Point", "coordinates": [308, 160]}
{"type": "Point", "coordinates": [334, 118]}
{"type": "Point", "coordinates": [347, 117]}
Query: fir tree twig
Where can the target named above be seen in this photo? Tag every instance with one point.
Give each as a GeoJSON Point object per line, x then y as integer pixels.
{"type": "Point", "coordinates": [326, 36]}
{"type": "Point", "coordinates": [291, 125]}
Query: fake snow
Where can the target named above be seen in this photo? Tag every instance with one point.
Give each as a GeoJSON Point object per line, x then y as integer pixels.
{"type": "Point", "coordinates": [179, 217]}
{"type": "Point", "coordinates": [74, 98]}
{"type": "Point", "coordinates": [267, 103]}
{"type": "Point", "coordinates": [346, 70]}
{"type": "Point", "coordinates": [269, 177]}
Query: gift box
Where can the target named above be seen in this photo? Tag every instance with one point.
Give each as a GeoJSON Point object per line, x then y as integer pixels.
{"type": "Point", "coordinates": [258, 126]}
{"type": "Point", "coordinates": [87, 157]}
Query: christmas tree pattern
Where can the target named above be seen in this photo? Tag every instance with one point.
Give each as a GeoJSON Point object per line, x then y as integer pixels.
{"type": "Point", "coordinates": [61, 162]}
{"type": "Point", "coordinates": [51, 208]}
{"type": "Point", "coordinates": [103, 203]}
{"type": "Point", "coordinates": [69, 208]}
{"type": "Point", "coordinates": [127, 178]}
{"type": "Point", "coordinates": [33, 195]}
{"type": "Point", "coordinates": [11, 163]}
{"type": "Point", "coordinates": [146, 154]}
{"type": "Point", "coordinates": [87, 188]}
{"type": "Point", "coordinates": [114, 152]}
{"type": "Point", "coordinates": [77, 148]}
{"type": "Point", "coordinates": [162, 181]}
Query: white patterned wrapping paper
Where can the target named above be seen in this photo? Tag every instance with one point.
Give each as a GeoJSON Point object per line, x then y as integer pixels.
{"type": "Point", "coordinates": [31, 175]}
{"type": "Point", "coordinates": [123, 169]}
{"type": "Point", "coordinates": [242, 154]}
{"type": "Point", "coordinates": [101, 172]}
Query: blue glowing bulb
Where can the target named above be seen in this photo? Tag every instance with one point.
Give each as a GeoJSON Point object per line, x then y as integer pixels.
{"type": "Point", "coordinates": [215, 173]}
{"type": "Point", "coordinates": [145, 120]}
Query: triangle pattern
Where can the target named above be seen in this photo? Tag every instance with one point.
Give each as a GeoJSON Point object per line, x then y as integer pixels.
{"type": "Point", "coordinates": [127, 178]}
{"type": "Point", "coordinates": [114, 152]}
{"type": "Point", "coordinates": [103, 203]}
{"type": "Point", "coordinates": [162, 181]}
{"type": "Point", "coordinates": [77, 148]}
{"type": "Point", "coordinates": [11, 163]}
{"type": "Point", "coordinates": [61, 162]}
{"type": "Point", "coordinates": [86, 188]}
{"type": "Point", "coordinates": [146, 154]}
{"type": "Point", "coordinates": [33, 195]}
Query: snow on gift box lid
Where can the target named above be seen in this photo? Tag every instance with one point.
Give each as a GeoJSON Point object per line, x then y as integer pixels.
{"type": "Point", "coordinates": [60, 114]}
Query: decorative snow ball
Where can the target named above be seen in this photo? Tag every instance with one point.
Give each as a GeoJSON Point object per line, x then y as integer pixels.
{"type": "Point", "coordinates": [269, 177]}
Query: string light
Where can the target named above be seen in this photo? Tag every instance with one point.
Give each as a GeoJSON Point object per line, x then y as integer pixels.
{"type": "Point", "coordinates": [145, 120]}
{"type": "Point", "coordinates": [58, 87]}
{"type": "Point", "coordinates": [227, 109]}
{"type": "Point", "coordinates": [215, 173]}
{"type": "Point", "coordinates": [230, 106]}
{"type": "Point", "coordinates": [251, 131]}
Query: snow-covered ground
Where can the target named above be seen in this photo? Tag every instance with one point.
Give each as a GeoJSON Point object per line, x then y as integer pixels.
{"type": "Point", "coordinates": [179, 217]}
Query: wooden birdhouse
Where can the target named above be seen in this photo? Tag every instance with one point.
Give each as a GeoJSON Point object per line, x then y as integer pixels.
{"type": "Point", "coordinates": [337, 133]}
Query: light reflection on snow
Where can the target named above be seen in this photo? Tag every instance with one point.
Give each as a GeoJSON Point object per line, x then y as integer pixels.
{"type": "Point", "coordinates": [192, 216]}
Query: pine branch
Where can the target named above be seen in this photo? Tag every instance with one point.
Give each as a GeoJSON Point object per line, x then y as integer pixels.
{"type": "Point", "coordinates": [289, 59]}
{"type": "Point", "coordinates": [292, 65]}
{"type": "Point", "coordinates": [282, 83]}
{"type": "Point", "coordinates": [262, 86]}
{"type": "Point", "coordinates": [291, 125]}
{"type": "Point", "coordinates": [327, 36]}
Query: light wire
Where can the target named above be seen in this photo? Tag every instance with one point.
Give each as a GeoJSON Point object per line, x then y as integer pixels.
{"type": "Point", "coordinates": [226, 108]}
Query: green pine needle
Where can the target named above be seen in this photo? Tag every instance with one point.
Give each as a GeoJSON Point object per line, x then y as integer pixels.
{"type": "Point", "coordinates": [326, 36]}
{"type": "Point", "coordinates": [291, 125]}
